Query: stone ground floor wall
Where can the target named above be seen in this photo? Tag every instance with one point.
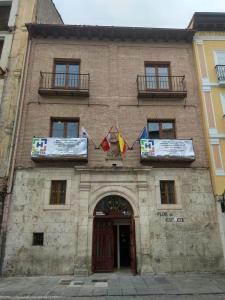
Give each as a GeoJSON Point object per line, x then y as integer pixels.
{"type": "Point", "coordinates": [179, 237]}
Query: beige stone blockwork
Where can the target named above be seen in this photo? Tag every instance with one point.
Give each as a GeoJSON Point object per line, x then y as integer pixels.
{"type": "Point", "coordinates": [168, 240]}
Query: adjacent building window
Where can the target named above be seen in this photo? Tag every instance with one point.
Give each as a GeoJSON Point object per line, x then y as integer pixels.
{"type": "Point", "coordinates": [223, 103]}
{"type": "Point", "coordinates": [58, 192]}
{"type": "Point", "coordinates": [1, 47]}
{"type": "Point", "coordinates": [38, 239]}
{"type": "Point", "coordinates": [67, 74]}
{"type": "Point", "coordinates": [167, 191]}
{"type": "Point", "coordinates": [4, 16]}
{"type": "Point", "coordinates": [220, 65]}
{"type": "Point", "coordinates": [64, 128]}
{"type": "Point", "coordinates": [220, 57]}
{"type": "Point", "coordinates": [157, 76]}
{"type": "Point", "coordinates": [161, 129]}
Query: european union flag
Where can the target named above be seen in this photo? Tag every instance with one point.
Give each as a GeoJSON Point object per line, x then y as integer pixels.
{"type": "Point", "coordinates": [144, 134]}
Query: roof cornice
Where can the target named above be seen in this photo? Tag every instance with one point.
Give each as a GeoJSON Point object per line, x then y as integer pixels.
{"type": "Point", "coordinates": [109, 32]}
{"type": "Point", "coordinates": [207, 21]}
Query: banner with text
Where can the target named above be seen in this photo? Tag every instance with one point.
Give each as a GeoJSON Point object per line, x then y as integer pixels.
{"type": "Point", "coordinates": [167, 149]}
{"type": "Point", "coordinates": [59, 148]}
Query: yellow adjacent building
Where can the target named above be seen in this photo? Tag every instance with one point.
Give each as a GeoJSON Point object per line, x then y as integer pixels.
{"type": "Point", "coordinates": [209, 48]}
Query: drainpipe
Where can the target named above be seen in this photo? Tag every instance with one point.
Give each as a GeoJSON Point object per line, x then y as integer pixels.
{"type": "Point", "coordinates": [13, 150]}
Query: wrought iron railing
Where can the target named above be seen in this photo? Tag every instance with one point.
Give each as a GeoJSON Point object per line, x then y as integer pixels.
{"type": "Point", "coordinates": [147, 84]}
{"type": "Point", "coordinates": [64, 81]}
{"type": "Point", "coordinates": [220, 70]}
{"type": "Point", "coordinates": [4, 27]}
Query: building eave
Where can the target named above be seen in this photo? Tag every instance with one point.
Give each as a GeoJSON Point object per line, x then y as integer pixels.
{"type": "Point", "coordinates": [110, 32]}
{"type": "Point", "coordinates": [207, 21]}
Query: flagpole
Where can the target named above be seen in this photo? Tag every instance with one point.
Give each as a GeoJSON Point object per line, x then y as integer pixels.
{"type": "Point", "coordinates": [131, 148]}
{"type": "Point", "coordinates": [93, 142]}
{"type": "Point", "coordinates": [137, 138]}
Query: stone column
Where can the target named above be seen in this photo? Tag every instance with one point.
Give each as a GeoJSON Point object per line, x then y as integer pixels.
{"type": "Point", "coordinates": [81, 259]}
{"type": "Point", "coordinates": [143, 198]}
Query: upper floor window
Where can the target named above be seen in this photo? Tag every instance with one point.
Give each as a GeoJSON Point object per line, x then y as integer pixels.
{"type": "Point", "coordinates": [1, 47]}
{"type": "Point", "coordinates": [220, 64]}
{"type": "Point", "coordinates": [64, 128]}
{"type": "Point", "coordinates": [157, 76]}
{"type": "Point", "coordinates": [161, 129]}
{"type": "Point", "coordinates": [4, 16]}
{"type": "Point", "coordinates": [220, 57]}
{"type": "Point", "coordinates": [66, 74]}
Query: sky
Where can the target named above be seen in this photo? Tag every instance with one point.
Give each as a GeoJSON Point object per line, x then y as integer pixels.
{"type": "Point", "coordinates": [139, 13]}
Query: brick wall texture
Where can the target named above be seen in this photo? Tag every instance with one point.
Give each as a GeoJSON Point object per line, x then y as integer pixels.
{"type": "Point", "coordinates": [113, 69]}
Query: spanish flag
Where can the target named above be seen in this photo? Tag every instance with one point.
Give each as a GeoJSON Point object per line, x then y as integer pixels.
{"type": "Point", "coordinates": [122, 144]}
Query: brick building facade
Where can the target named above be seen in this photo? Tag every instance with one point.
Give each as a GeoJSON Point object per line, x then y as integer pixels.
{"type": "Point", "coordinates": [81, 215]}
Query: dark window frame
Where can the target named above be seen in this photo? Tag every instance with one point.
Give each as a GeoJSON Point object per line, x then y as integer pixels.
{"type": "Point", "coordinates": [67, 62]}
{"type": "Point", "coordinates": [165, 194]}
{"type": "Point", "coordinates": [160, 121]}
{"type": "Point", "coordinates": [64, 120]}
{"type": "Point", "coordinates": [1, 47]}
{"type": "Point", "coordinates": [61, 195]}
{"type": "Point", "coordinates": [157, 65]}
{"type": "Point", "coordinates": [5, 15]}
{"type": "Point", "coordinates": [38, 239]}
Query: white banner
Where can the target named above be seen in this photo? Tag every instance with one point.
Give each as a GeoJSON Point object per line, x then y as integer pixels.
{"type": "Point", "coordinates": [59, 148]}
{"type": "Point", "coordinates": [167, 149]}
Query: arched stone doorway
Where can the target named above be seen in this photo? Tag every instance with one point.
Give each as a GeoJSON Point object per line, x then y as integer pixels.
{"type": "Point", "coordinates": [114, 245]}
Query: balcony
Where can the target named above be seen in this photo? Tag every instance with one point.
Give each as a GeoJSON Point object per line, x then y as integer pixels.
{"type": "Point", "coordinates": [64, 84]}
{"type": "Point", "coordinates": [220, 70]}
{"type": "Point", "coordinates": [161, 86]}
{"type": "Point", "coordinates": [167, 150]}
{"type": "Point", "coordinates": [57, 149]}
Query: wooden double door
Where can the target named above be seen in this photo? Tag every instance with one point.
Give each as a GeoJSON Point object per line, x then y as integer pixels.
{"type": "Point", "coordinates": [113, 244]}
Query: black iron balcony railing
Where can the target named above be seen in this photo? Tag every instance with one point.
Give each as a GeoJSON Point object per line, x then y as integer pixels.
{"type": "Point", "coordinates": [161, 86]}
{"type": "Point", "coordinates": [64, 84]}
{"type": "Point", "coordinates": [3, 27]}
{"type": "Point", "coordinates": [220, 70]}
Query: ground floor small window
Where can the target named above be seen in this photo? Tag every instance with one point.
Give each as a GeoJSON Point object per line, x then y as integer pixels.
{"type": "Point", "coordinates": [167, 191]}
{"type": "Point", "coordinates": [38, 239]}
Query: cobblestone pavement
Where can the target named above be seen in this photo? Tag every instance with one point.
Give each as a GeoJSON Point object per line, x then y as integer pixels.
{"type": "Point", "coordinates": [115, 287]}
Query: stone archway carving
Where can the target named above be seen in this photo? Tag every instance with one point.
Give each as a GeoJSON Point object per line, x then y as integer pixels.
{"type": "Point", "coordinates": [113, 205]}
{"type": "Point", "coordinates": [121, 191]}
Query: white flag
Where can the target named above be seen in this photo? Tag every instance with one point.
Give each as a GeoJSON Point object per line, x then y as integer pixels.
{"type": "Point", "coordinates": [84, 133]}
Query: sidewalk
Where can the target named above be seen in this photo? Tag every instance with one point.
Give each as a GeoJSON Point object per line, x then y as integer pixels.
{"type": "Point", "coordinates": [116, 286]}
